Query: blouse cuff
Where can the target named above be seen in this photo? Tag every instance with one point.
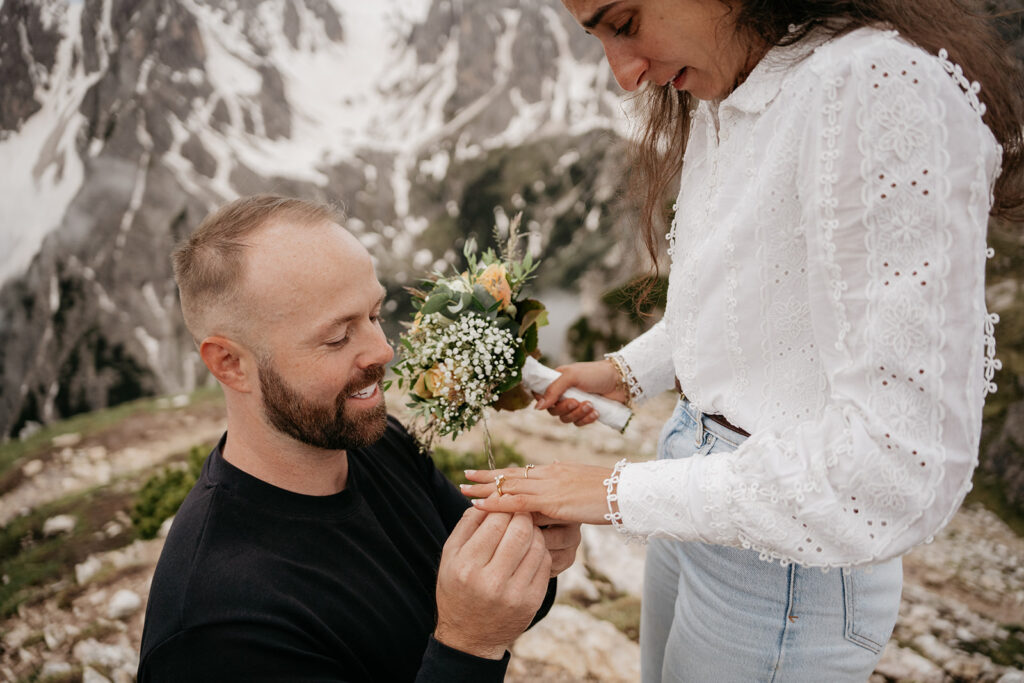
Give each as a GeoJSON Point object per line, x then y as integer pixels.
{"type": "Point", "coordinates": [646, 364]}
{"type": "Point", "coordinates": [662, 498]}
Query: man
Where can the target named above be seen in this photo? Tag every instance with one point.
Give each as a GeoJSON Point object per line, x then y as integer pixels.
{"type": "Point", "coordinates": [311, 546]}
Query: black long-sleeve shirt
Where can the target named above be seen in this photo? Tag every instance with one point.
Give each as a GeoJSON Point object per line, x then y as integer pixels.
{"type": "Point", "coordinates": [258, 583]}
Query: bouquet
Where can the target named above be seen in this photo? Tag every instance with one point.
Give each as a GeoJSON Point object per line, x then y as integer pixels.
{"type": "Point", "coordinates": [472, 340]}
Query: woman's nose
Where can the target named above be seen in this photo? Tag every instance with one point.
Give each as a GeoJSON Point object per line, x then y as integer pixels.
{"type": "Point", "coordinates": [628, 67]}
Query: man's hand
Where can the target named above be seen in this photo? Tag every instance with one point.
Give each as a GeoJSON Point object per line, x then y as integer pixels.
{"type": "Point", "coordinates": [562, 540]}
{"type": "Point", "coordinates": [492, 580]}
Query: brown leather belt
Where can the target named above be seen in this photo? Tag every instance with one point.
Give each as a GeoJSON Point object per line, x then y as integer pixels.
{"type": "Point", "coordinates": [720, 419]}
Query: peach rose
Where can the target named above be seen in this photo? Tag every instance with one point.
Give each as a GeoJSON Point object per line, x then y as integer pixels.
{"type": "Point", "coordinates": [494, 280]}
{"type": "Point", "coordinates": [430, 384]}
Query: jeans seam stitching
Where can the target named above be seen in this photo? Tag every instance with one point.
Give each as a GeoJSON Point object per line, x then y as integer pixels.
{"type": "Point", "coordinates": [851, 629]}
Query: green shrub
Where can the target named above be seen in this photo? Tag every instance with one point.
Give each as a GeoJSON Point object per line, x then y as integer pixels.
{"type": "Point", "coordinates": [162, 494]}
{"type": "Point", "coordinates": [452, 464]}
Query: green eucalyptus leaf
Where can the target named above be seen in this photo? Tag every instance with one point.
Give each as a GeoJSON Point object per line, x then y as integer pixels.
{"type": "Point", "coordinates": [435, 303]}
{"type": "Point", "coordinates": [530, 339]}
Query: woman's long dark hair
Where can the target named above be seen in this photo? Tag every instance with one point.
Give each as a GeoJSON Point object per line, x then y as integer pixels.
{"type": "Point", "coordinates": [963, 31]}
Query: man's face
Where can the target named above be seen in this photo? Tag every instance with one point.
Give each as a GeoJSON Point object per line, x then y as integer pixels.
{"type": "Point", "coordinates": [322, 425]}
{"type": "Point", "coordinates": [318, 305]}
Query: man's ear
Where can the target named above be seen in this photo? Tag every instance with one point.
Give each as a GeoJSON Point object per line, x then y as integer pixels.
{"type": "Point", "coordinates": [233, 365]}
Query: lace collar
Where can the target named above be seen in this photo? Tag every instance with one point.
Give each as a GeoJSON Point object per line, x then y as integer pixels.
{"type": "Point", "coordinates": [765, 81]}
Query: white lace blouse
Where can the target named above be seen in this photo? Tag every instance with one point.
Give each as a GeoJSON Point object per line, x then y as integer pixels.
{"type": "Point", "coordinates": [826, 294]}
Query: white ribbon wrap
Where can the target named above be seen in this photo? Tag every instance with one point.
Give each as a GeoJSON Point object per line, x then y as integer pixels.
{"type": "Point", "coordinates": [537, 377]}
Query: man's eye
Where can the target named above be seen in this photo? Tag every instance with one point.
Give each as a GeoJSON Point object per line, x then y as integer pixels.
{"type": "Point", "coordinates": [338, 342]}
{"type": "Point", "coordinates": [625, 28]}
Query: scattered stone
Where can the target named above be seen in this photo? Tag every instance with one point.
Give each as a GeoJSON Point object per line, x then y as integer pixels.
{"type": "Point", "coordinates": [586, 647]}
{"type": "Point", "coordinates": [112, 528]}
{"type": "Point", "coordinates": [55, 668]}
{"type": "Point", "coordinates": [903, 664]}
{"type": "Point", "coordinates": [16, 636]}
{"type": "Point", "coordinates": [91, 675]}
{"type": "Point", "coordinates": [609, 555]}
{"type": "Point", "coordinates": [54, 635]}
{"type": "Point", "coordinates": [67, 440]}
{"type": "Point", "coordinates": [180, 401]}
{"type": "Point", "coordinates": [110, 657]}
{"type": "Point", "coordinates": [60, 524]}
{"type": "Point", "coordinates": [575, 583]}
{"type": "Point", "coordinates": [29, 430]}
{"type": "Point", "coordinates": [88, 569]}
{"type": "Point", "coordinates": [124, 604]}
{"type": "Point", "coordinates": [165, 527]}
{"type": "Point", "coordinates": [930, 647]}
{"type": "Point", "coordinates": [1012, 676]}
{"type": "Point", "coordinates": [32, 468]}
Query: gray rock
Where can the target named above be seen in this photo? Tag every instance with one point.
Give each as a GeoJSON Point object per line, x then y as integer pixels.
{"type": "Point", "coordinates": [586, 647]}
{"type": "Point", "coordinates": [32, 468]}
{"type": "Point", "coordinates": [902, 664]}
{"type": "Point", "coordinates": [66, 440]}
{"type": "Point", "coordinates": [91, 675]}
{"type": "Point", "coordinates": [92, 652]}
{"type": "Point", "coordinates": [88, 569]}
{"type": "Point", "coordinates": [608, 554]}
{"type": "Point", "coordinates": [54, 668]}
{"type": "Point", "coordinates": [60, 524]}
{"type": "Point", "coordinates": [124, 604]}
{"type": "Point", "coordinates": [574, 582]}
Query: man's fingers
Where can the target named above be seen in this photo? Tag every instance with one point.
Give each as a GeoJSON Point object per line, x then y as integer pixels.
{"type": "Point", "coordinates": [471, 519]}
{"type": "Point", "coordinates": [509, 503]}
{"type": "Point", "coordinates": [535, 567]}
{"type": "Point", "coordinates": [561, 537]}
{"type": "Point", "coordinates": [514, 544]}
{"type": "Point", "coordinates": [486, 537]}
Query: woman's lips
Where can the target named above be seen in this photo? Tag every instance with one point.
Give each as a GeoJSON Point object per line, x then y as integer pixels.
{"type": "Point", "coordinates": [679, 79]}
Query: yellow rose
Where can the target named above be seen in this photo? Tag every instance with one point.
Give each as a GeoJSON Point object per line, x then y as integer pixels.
{"type": "Point", "coordinates": [493, 279]}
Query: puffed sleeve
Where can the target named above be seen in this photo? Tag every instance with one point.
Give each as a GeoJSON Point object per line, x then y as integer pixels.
{"type": "Point", "coordinates": [647, 362]}
{"type": "Point", "coordinates": [895, 178]}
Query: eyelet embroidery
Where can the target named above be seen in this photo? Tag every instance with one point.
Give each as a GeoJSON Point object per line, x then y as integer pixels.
{"type": "Point", "coordinates": [889, 473]}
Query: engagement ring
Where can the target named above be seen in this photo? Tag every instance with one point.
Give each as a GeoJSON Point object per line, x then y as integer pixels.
{"type": "Point", "coordinates": [497, 483]}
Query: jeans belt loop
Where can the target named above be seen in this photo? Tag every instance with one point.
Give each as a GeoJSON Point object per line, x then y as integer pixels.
{"type": "Point", "coordinates": [699, 438]}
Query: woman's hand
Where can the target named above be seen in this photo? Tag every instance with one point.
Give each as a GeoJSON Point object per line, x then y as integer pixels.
{"type": "Point", "coordinates": [597, 377]}
{"type": "Point", "coordinates": [564, 491]}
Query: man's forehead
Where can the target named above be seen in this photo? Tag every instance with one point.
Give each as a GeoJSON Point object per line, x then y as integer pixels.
{"type": "Point", "coordinates": [290, 269]}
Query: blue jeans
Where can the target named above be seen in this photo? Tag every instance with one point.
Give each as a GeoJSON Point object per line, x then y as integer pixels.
{"type": "Point", "coordinates": [712, 613]}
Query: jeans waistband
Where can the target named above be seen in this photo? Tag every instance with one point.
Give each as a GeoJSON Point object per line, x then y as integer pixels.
{"type": "Point", "coordinates": [705, 423]}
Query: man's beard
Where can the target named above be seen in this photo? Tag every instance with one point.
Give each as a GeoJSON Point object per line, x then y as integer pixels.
{"type": "Point", "coordinates": [319, 425]}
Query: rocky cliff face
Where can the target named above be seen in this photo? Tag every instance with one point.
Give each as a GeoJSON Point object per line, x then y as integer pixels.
{"type": "Point", "coordinates": [122, 123]}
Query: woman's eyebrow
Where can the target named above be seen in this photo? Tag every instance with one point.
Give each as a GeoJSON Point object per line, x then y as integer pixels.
{"type": "Point", "coordinates": [598, 15]}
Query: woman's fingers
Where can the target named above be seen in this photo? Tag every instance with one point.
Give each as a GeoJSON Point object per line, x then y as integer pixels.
{"type": "Point", "coordinates": [555, 390]}
{"type": "Point", "coordinates": [487, 476]}
{"type": "Point", "coordinates": [507, 503]}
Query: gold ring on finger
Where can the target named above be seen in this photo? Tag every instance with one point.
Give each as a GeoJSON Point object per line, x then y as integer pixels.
{"type": "Point", "coordinates": [528, 468]}
{"type": "Point", "coordinates": [497, 483]}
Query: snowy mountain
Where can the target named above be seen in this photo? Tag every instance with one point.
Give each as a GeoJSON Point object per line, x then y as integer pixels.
{"type": "Point", "coordinates": [123, 122]}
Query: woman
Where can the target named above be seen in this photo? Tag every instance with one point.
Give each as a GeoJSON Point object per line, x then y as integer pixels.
{"type": "Point", "coordinates": [825, 322]}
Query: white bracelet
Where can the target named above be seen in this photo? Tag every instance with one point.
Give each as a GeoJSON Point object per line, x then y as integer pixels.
{"type": "Point", "coordinates": [612, 484]}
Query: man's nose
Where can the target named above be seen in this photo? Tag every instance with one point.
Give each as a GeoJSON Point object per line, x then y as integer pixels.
{"type": "Point", "coordinates": [628, 67]}
{"type": "Point", "coordinates": [379, 351]}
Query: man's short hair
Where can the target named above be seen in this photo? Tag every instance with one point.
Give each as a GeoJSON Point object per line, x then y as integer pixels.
{"type": "Point", "coordinates": [209, 265]}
